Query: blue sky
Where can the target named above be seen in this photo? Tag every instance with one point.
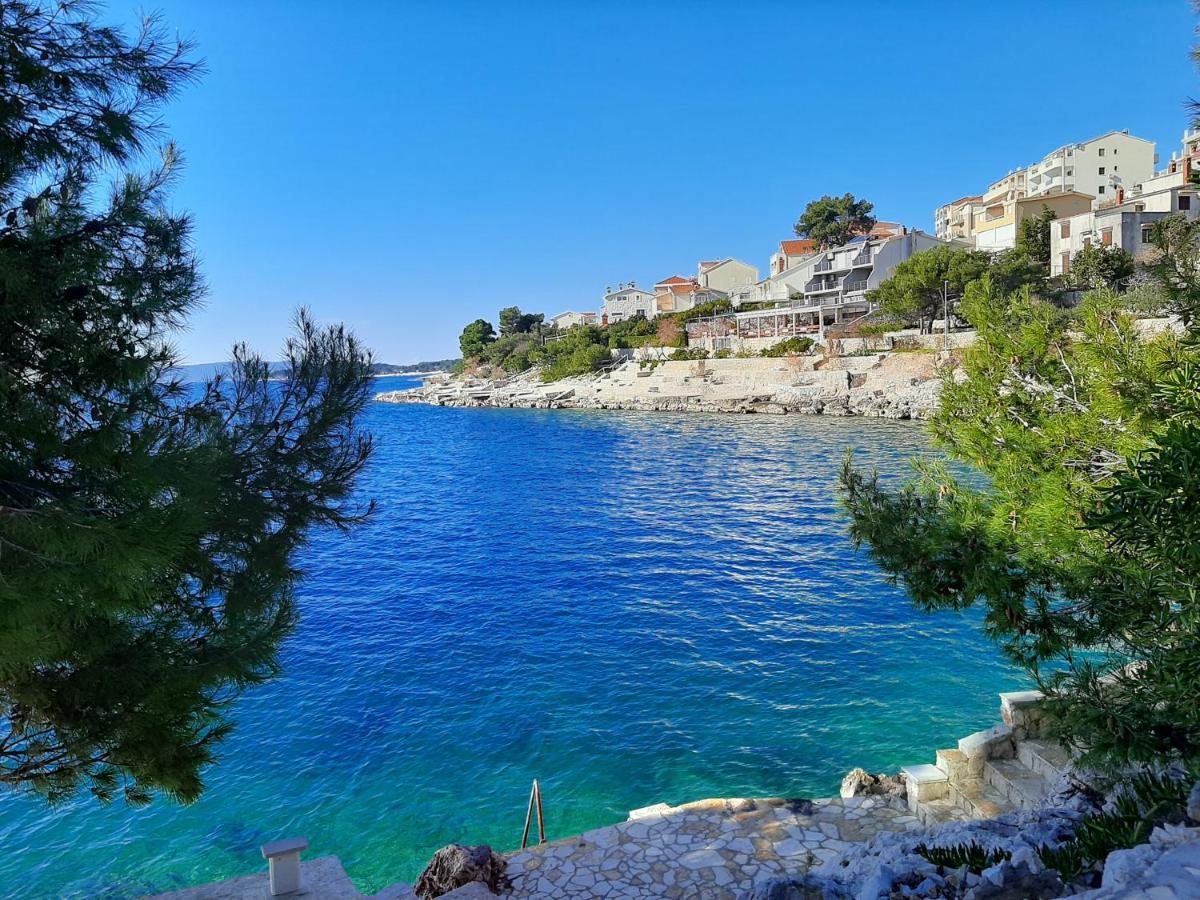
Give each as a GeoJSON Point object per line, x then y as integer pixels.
{"type": "Point", "coordinates": [407, 167]}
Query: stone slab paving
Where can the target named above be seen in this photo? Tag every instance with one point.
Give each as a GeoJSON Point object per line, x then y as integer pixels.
{"type": "Point", "coordinates": [707, 850]}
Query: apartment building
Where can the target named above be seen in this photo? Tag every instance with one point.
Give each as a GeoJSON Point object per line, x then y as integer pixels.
{"type": "Point", "coordinates": [823, 289]}
{"type": "Point", "coordinates": [1100, 168]}
{"type": "Point", "coordinates": [1126, 220]}
{"type": "Point", "coordinates": [998, 223]}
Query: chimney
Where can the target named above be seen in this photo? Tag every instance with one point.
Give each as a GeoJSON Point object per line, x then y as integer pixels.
{"type": "Point", "coordinates": [631, 284]}
{"type": "Point", "coordinates": [608, 289]}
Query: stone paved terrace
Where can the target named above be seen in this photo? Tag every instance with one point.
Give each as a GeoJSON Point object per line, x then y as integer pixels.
{"type": "Point", "coordinates": [706, 850]}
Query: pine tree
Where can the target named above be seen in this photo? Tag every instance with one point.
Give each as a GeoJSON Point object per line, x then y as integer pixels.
{"type": "Point", "coordinates": [148, 529]}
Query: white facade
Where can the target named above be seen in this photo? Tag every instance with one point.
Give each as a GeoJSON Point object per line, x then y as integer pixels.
{"type": "Point", "coordinates": [826, 289]}
{"type": "Point", "coordinates": [1099, 167]}
{"type": "Point", "coordinates": [626, 302]}
{"type": "Point", "coordinates": [571, 319]}
{"type": "Point", "coordinates": [1126, 225]}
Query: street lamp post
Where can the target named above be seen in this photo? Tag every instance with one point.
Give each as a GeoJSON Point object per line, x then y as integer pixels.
{"type": "Point", "coordinates": [946, 314]}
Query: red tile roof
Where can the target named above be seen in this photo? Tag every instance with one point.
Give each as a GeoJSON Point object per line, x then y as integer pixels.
{"type": "Point", "coordinates": [674, 279]}
{"type": "Point", "coordinates": [705, 266]}
{"type": "Point", "coordinates": [797, 247]}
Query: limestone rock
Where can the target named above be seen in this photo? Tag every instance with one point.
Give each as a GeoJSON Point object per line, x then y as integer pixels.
{"type": "Point", "coordinates": [455, 866]}
{"type": "Point", "coordinates": [1017, 881]}
{"type": "Point", "coordinates": [860, 783]}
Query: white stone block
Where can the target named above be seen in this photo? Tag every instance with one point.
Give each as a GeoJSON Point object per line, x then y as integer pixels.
{"type": "Point", "coordinates": [283, 860]}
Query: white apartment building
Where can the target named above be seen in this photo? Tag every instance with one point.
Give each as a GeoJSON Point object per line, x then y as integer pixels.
{"type": "Point", "coordinates": [1100, 168]}
{"type": "Point", "coordinates": [1126, 220]}
{"type": "Point", "coordinates": [627, 301]}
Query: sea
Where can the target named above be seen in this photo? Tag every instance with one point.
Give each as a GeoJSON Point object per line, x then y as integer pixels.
{"type": "Point", "coordinates": [632, 608]}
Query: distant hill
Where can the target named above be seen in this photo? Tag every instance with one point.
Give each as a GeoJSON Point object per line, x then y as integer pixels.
{"type": "Point", "coordinates": [205, 371]}
{"type": "Point", "coordinates": [437, 365]}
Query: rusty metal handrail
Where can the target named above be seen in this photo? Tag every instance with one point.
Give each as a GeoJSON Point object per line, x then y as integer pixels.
{"type": "Point", "coordinates": [535, 796]}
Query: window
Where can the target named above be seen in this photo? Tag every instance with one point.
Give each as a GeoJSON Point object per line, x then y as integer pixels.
{"type": "Point", "coordinates": [1114, 151]}
{"type": "Point", "coordinates": [1101, 151]}
{"type": "Point", "coordinates": [1185, 201]}
{"type": "Point", "coordinates": [1064, 230]}
{"type": "Point", "coordinates": [1070, 172]}
{"type": "Point", "coordinates": [1147, 234]}
{"type": "Point", "coordinates": [1101, 189]}
{"type": "Point", "coordinates": [1114, 168]}
{"type": "Point", "coordinates": [1066, 263]}
{"type": "Point", "coordinates": [1106, 237]}
{"type": "Point", "coordinates": [1102, 170]}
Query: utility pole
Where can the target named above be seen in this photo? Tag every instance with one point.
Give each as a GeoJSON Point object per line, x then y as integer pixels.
{"type": "Point", "coordinates": [946, 314]}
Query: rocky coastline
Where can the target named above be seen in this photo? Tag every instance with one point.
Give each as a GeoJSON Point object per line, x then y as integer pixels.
{"type": "Point", "coordinates": [892, 385]}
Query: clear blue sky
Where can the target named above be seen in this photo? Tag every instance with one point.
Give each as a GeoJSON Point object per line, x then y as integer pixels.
{"type": "Point", "coordinates": [407, 167]}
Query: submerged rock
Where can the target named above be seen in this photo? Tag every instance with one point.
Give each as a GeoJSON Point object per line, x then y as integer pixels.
{"type": "Point", "coordinates": [455, 866]}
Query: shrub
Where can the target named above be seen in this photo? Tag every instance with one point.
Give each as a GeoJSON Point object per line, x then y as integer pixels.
{"type": "Point", "coordinates": [970, 855]}
{"type": "Point", "coordinates": [724, 353]}
{"type": "Point", "coordinates": [686, 353]}
{"type": "Point", "coordinates": [789, 347]}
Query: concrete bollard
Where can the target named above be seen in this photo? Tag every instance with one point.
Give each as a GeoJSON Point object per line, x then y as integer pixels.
{"type": "Point", "coordinates": [283, 859]}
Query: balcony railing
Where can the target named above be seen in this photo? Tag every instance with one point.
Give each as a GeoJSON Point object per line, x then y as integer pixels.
{"type": "Point", "coordinates": [863, 258]}
{"type": "Point", "coordinates": [853, 287]}
{"type": "Point", "coordinates": [823, 266]}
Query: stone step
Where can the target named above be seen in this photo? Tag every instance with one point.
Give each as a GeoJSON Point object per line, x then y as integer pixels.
{"type": "Point", "coordinates": [1046, 759]}
{"type": "Point", "coordinates": [924, 783]}
{"type": "Point", "coordinates": [1018, 783]}
{"type": "Point", "coordinates": [939, 812]}
{"type": "Point", "coordinates": [978, 799]}
{"type": "Point", "coordinates": [953, 762]}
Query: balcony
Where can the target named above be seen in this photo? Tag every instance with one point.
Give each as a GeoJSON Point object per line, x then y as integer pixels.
{"type": "Point", "coordinates": [855, 287]}
{"type": "Point", "coordinates": [822, 286]}
{"type": "Point", "coordinates": [863, 258]}
{"type": "Point", "coordinates": [824, 265]}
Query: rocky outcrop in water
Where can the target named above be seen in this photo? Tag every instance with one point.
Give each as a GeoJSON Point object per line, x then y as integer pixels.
{"type": "Point", "coordinates": [861, 783]}
{"type": "Point", "coordinates": [456, 866]}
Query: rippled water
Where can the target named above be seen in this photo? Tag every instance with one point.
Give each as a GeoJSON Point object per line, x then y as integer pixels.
{"type": "Point", "coordinates": [631, 607]}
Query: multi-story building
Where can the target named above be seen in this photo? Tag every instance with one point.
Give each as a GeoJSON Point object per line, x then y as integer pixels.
{"type": "Point", "coordinates": [627, 301]}
{"type": "Point", "coordinates": [1099, 168]}
{"type": "Point", "coordinates": [1125, 221]}
{"type": "Point", "coordinates": [826, 288]}
{"type": "Point", "coordinates": [956, 221]}
{"type": "Point", "coordinates": [998, 223]}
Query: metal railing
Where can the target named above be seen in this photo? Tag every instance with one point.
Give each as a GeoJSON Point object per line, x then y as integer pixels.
{"type": "Point", "coordinates": [535, 797]}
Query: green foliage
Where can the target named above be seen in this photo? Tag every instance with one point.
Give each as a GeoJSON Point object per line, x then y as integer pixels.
{"type": "Point", "coordinates": [475, 338]}
{"type": "Point", "coordinates": [1067, 859]}
{"type": "Point", "coordinates": [149, 528]}
{"type": "Point", "coordinates": [688, 353]}
{"type": "Point", "coordinates": [790, 347]}
{"type": "Point", "coordinates": [1033, 236]}
{"type": "Point", "coordinates": [832, 221]}
{"type": "Point", "coordinates": [1083, 545]}
{"type": "Point", "coordinates": [1097, 266]}
{"type": "Point", "coordinates": [878, 329]}
{"type": "Point", "coordinates": [568, 357]}
{"type": "Point", "coordinates": [513, 321]}
{"type": "Point", "coordinates": [914, 292]}
{"type": "Point", "coordinates": [971, 855]}
{"type": "Point", "coordinates": [723, 353]}
{"type": "Point", "coordinates": [1148, 800]}
{"type": "Point", "coordinates": [1014, 270]}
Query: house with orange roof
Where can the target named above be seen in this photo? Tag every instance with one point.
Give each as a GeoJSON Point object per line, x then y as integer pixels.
{"type": "Point", "coordinates": [678, 293]}
{"type": "Point", "coordinates": [790, 253]}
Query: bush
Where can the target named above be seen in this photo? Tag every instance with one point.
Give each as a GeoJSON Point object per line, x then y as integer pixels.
{"type": "Point", "coordinates": [723, 354]}
{"type": "Point", "coordinates": [685, 353]}
{"type": "Point", "coordinates": [579, 361]}
{"type": "Point", "coordinates": [790, 347]}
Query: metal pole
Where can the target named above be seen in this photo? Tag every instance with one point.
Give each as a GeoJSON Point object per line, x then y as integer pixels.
{"type": "Point", "coordinates": [946, 314]}
{"type": "Point", "coordinates": [541, 824]}
{"type": "Point", "coordinates": [528, 816]}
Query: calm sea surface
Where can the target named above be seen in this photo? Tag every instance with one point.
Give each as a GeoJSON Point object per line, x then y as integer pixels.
{"type": "Point", "coordinates": [632, 608]}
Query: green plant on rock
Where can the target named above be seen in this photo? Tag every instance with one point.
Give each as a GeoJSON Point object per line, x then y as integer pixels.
{"type": "Point", "coordinates": [971, 855]}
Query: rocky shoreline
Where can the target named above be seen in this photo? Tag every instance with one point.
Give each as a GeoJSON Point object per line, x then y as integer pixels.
{"type": "Point", "coordinates": [895, 385]}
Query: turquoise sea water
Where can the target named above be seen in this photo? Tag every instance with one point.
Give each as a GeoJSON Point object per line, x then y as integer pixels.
{"type": "Point", "coordinates": [632, 608]}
